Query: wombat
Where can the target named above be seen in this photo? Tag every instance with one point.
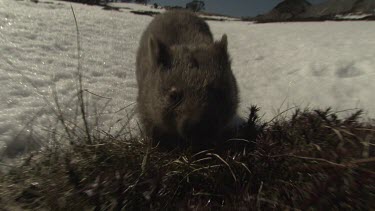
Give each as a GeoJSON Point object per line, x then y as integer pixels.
{"type": "Point", "coordinates": [187, 93]}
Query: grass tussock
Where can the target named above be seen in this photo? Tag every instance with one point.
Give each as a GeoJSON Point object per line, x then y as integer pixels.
{"type": "Point", "coordinates": [313, 160]}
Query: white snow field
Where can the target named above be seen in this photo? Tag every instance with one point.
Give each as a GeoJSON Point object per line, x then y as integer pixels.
{"type": "Point", "coordinates": [277, 65]}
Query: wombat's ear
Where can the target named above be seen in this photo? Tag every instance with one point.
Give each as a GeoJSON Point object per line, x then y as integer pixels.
{"type": "Point", "coordinates": [222, 50]}
{"type": "Point", "coordinates": [223, 43]}
{"type": "Point", "coordinates": [159, 53]}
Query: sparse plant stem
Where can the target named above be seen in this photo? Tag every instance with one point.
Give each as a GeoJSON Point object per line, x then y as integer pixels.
{"type": "Point", "coordinates": [80, 84]}
{"type": "Point", "coordinates": [60, 113]}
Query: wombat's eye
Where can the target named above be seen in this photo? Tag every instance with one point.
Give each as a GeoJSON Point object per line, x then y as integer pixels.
{"type": "Point", "coordinates": [175, 96]}
{"type": "Point", "coordinates": [193, 63]}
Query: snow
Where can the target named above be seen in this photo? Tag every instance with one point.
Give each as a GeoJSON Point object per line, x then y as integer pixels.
{"type": "Point", "coordinates": [134, 6]}
{"type": "Point", "coordinates": [317, 64]}
{"type": "Point", "coordinates": [352, 16]}
{"type": "Point", "coordinates": [218, 18]}
{"type": "Point", "coordinates": [277, 65]}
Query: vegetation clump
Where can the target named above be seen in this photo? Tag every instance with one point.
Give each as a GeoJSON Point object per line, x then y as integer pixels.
{"type": "Point", "coordinates": [312, 160]}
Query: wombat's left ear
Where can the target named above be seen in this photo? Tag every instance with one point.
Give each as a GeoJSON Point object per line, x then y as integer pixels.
{"type": "Point", "coordinates": [159, 53]}
{"type": "Point", "coordinates": [223, 43]}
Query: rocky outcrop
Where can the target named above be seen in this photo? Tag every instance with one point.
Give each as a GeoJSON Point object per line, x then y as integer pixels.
{"type": "Point", "coordinates": [340, 7]}
{"type": "Point", "coordinates": [364, 6]}
{"type": "Point", "coordinates": [286, 10]}
{"type": "Point", "coordinates": [302, 10]}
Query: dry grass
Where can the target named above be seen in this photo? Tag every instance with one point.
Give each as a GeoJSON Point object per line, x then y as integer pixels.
{"type": "Point", "coordinates": [313, 160]}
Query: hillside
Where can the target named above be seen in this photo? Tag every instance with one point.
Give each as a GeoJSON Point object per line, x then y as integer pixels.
{"type": "Point", "coordinates": [286, 10]}
{"type": "Point", "coordinates": [339, 7]}
{"type": "Point", "coordinates": [300, 10]}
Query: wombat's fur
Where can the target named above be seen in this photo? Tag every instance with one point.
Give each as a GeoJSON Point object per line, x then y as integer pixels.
{"type": "Point", "coordinates": [187, 91]}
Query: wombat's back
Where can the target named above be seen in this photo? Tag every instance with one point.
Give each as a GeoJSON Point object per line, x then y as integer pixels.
{"type": "Point", "coordinates": [178, 27]}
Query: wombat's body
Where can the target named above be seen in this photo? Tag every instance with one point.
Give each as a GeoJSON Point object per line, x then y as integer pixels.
{"type": "Point", "coordinates": [187, 92]}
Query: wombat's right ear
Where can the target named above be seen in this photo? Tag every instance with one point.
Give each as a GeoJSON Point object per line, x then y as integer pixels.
{"type": "Point", "coordinates": [159, 53]}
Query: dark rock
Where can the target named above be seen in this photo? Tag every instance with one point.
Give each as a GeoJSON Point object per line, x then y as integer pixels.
{"type": "Point", "coordinates": [286, 10]}
{"type": "Point", "coordinates": [301, 10]}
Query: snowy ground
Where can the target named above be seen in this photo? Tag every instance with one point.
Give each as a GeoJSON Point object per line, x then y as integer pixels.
{"type": "Point", "coordinates": [352, 16]}
{"type": "Point", "coordinates": [278, 65]}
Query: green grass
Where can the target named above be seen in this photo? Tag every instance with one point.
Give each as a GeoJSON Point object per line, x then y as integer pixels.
{"type": "Point", "coordinates": [313, 160]}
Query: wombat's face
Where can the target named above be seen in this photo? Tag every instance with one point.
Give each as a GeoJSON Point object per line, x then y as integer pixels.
{"type": "Point", "coordinates": [196, 88]}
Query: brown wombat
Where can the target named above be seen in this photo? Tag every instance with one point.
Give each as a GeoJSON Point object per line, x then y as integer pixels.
{"type": "Point", "coordinates": [187, 92]}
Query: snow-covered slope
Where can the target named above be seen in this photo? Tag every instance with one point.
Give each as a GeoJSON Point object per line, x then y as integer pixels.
{"type": "Point", "coordinates": [277, 65]}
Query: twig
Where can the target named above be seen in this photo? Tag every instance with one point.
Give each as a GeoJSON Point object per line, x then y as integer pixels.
{"type": "Point", "coordinates": [281, 114]}
{"type": "Point", "coordinates": [60, 112]}
{"type": "Point", "coordinates": [222, 160]}
{"type": "Point", "coordinates": [125, 107]}
{"type": "Point", "coordinates": [258, 196]}
{"type": "Point", "coordinates": [352, 164]}
{"type": "Point", "coordinates": [363, 161]}
{"type": "Point", "coordinates": [7, 165]}
{"type": "Point", "coordinates": [86, 90]}
{"type": "Point", "coordinates": [316, 159]}
{"type": "Point", "coordinates": [80, 91]}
